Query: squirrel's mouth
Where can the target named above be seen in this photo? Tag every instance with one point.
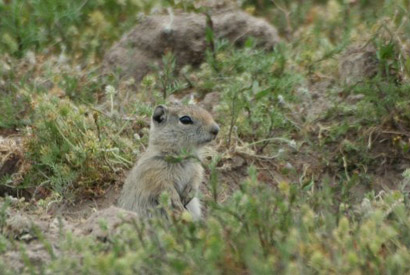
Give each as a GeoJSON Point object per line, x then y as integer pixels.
{"type": "Point", "coordinates": [205, 141]}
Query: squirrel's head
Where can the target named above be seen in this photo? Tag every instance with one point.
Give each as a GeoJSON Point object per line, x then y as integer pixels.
{"type": "Point", "coordinates": [179, 128]}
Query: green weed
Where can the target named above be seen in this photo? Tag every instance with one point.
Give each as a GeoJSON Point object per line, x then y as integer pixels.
{"type": "Point", "coordinates": [73, 148]}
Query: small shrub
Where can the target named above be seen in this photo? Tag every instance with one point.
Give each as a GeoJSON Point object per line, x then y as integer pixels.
{"type": "Point", "coordinates": [73, 148]}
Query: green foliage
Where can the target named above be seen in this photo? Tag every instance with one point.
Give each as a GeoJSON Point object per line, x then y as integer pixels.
{"type": "Point", "coordinates": [167, 81]}
{"type": "Point", "coordinates": [15, 99]}
{"type": "Point", "coordinates": [13, 107]}
{"type": "Point", "coordinates": [259, 229]}
{"type": "Point", "coordinates": [75, 26]}
{"type": "Point", "coordinates": [255, 88]}
{"type": "Point", "coordinates": [73, 148]}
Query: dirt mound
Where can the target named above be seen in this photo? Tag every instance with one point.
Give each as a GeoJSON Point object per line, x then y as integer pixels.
{"type": "Point", "coordinates": [185, 36]}
{"type": "Point", "coordinates": [39, 234]}
{"type": "Point", "coordinates": [103, 222]}
{"type": "Point", "coordinates": [31, 232]}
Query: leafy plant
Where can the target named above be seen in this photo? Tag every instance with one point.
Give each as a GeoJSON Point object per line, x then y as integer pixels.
{"type": "Point", "coordinates": [73, 149]}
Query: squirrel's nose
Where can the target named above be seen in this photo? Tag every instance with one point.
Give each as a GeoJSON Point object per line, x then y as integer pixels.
{"type": "Point", "coordinates": [215, 130]}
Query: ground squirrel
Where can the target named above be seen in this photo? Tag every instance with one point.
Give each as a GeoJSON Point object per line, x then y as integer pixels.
{"type": "Point", "coordinates": [171, 162]}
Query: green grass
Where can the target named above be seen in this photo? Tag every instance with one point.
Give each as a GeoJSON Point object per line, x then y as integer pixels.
{"type": "Point", "coordinates": [74, 148]}
{"type": "Point", "coordinates": [82, 27]}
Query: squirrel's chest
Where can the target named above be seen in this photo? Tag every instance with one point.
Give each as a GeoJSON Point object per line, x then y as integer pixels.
{"type": "Point", "coordinates": [185, 174]}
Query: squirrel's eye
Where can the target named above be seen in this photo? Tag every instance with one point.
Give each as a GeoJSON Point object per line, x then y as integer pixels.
{"type": "Point", "coordinates": [186, 120]}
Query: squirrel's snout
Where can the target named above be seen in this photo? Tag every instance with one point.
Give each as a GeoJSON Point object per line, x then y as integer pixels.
{"type": "Point", "coordinates": [214, 130]}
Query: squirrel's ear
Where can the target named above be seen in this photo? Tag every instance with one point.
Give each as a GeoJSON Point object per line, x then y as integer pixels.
{"type": "Point", "coordinates": [160, 113]}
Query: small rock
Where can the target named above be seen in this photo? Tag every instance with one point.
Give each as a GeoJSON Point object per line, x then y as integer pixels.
{"type": "Point", "coordinates": [19, 226]}
{"type": "Point", "coordinates": [210, 101]}
{"type": "Point", "coordinates": [233, 163]}
{"type": "Point", "coordinates": [357, 64]}
{"type": "Point", "coordinates": [355, 98]}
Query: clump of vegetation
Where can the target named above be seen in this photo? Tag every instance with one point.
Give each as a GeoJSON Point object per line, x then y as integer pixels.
{"type": "Point", "coordinates": [370, 123]}
{"type": "Point", "coordinates": [255, 89]}
{"type": "Point", "coordinates": [84, 28]}
{"type": "Point", "coordinates": [74, 148]}
{"type": "Point", "coordinates": [13, 108]}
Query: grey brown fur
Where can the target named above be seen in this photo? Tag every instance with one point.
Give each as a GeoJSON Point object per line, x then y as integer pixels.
{"type": "Point", "coordinates": [161, 168]}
